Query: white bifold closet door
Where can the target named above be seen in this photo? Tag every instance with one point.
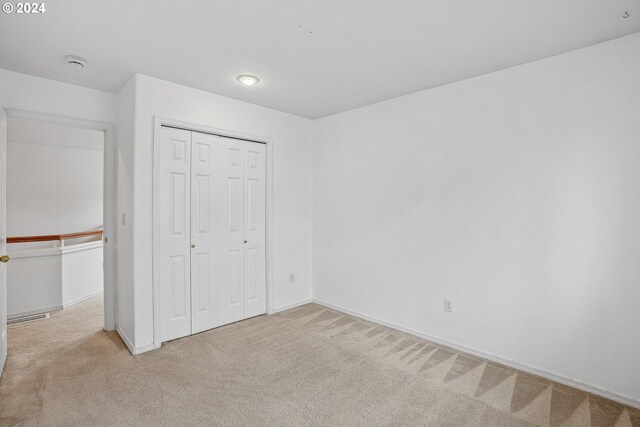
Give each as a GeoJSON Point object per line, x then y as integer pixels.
{"type": "Point", "coordinates": [211, 207]}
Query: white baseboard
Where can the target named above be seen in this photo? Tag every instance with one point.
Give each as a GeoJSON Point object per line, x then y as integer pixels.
{"type": "Point", "coordinates": [77, 300]}
{"type": "Point", "coordinates": [626, 400]}
{"type": "Point", "coordinates": [132, 349]}
{"type": "Point", "coordinates": [290, 306]}
{"type": "Point", "coordinates": [126, 340]}
{"type": "Point", "coordinates": [145, 348]}
{"type": "Point", "coordinates": [34, 312]}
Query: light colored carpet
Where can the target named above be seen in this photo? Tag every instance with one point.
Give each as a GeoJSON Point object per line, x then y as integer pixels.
{"type": "Point", "coordinates": [305, 366]}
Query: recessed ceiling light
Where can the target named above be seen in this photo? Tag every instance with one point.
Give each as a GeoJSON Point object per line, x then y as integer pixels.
{"type": "Point", "coordinates": [76, 61]}
{"type": "Point", "coordinates": [248, 80]}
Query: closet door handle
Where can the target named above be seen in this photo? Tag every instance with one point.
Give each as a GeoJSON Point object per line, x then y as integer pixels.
{"type": "Point", "coordinates": [245, 242]}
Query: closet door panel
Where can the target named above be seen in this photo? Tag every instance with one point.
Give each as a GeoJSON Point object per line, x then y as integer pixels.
{"type": "Point", "coordinates": [254, 229]}
{"type": "Point", "coordinates": [205, 313]}
{"type": "Point", "coordinates": [174, 233]}
{"type": "Point", "coordinates": [212, 223]}
{"type": "Point", "coordinates": [227, 226]}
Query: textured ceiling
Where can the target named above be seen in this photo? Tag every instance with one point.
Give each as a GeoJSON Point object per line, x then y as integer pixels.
{"type": "Point", "coordinates": [314, 58]}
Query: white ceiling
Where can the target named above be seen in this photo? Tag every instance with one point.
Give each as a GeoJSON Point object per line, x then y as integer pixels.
{"type": "Point", "coordinates": [25, 131]}
{"type": "Point", "coordinates": [314, 57]}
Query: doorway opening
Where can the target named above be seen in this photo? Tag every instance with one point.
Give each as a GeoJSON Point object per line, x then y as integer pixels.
{"type": "Point", "coordinates": [55, 225]}
{"type": "Point", "coordinates": [42, 129]}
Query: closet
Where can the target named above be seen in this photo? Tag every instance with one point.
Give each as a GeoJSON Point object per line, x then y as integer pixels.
{"type": "Point", "coordinates": [211, 231]}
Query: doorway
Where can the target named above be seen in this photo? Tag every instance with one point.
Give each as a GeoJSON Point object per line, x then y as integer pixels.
{"type": "Point", "coordinates": [107, 133]}
{"type": "Point", "coordinates": [54, 207]}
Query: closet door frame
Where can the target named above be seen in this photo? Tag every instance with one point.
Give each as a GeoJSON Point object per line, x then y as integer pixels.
{"type": "Point", "coordinates": [158, 122]}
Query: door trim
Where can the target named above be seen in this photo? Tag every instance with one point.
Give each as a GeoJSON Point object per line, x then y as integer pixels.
{"type": "Point", "coordinates": [158, 122]}
{"type": "Point", "coordinates": [109, 213]}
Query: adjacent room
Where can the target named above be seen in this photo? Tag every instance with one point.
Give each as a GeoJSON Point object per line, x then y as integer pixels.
{"type": "Point", "coordinates": [54, 217]}
{"type": "Point", "coordinates": [355, 213]}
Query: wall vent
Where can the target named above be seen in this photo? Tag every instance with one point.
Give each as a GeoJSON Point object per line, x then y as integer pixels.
{"type": "Point", "coordinates": [29, 318]}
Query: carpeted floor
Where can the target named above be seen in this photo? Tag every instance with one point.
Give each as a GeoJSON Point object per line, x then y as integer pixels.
{"type": "Point", "coordinates": [305, 366]}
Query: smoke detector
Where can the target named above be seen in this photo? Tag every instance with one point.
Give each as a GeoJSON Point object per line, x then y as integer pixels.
{"type": "Point", "coordinates": [76, 61]}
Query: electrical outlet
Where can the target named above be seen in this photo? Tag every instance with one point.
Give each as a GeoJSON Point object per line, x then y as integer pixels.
{"type": "Point", "coordinates": [292, 278]}
{"type": "Point", "coordinates": [448, 305]}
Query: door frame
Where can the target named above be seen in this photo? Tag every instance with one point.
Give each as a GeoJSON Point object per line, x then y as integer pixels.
{"type": "Point", "coordinates": [109, 208]}
{"type": "Point", "coordinates": [158, 122]}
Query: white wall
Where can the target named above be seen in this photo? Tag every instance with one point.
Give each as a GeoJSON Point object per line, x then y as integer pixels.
{"type": "Point", "coordinates": [47, 279]}
{"type": "Point", "coordinates": [53, 189]}
{"type": "Point", "coordinates": [82, 272]}
{"type": "Point", "coordinates": [292, 185]}
{"type": "Point", "coordinates": [124, 253]}
{"type": "Point", "coordinates": [516, 194]}
{"type": "Point", "coordinates": [34, 283]}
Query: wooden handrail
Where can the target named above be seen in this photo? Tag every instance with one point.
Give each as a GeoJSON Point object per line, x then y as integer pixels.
{"type": "Point", "coordinates": [54, 237]}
